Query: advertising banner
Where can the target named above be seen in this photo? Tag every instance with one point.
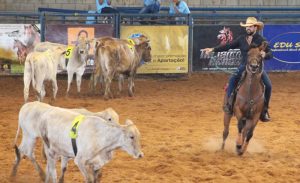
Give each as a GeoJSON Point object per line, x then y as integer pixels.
{"type": "Point", "coordinates": [284, 41]}
{"type": "Point", "coordinates": [207, 36]}
{"type": "Point", "coordinates": [69, 34]}
{"type": "Point", "coordinates": [17, 40]}
{"type": "Point", "coordinates": [169, 47]}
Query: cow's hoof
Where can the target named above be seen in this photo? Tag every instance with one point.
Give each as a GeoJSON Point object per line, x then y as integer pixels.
{"type": "Point", "coordinates": [130, 94]}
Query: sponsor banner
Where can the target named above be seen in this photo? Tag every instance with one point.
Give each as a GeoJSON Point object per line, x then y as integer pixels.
{"type": "Point", "coordinates": [207, 36]}
{"type": "Point", "coordinates": [284, 40]}
{"type": "Point", "coordinates": [69, 34]}
{"type": "Point", "coordinates": [169, 46]}
{"type": "Point", "coordinates": [17, 40]}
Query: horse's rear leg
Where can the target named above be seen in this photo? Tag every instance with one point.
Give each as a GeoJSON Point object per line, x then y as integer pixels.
{"type": "Point", "coordinates": [227, 118]}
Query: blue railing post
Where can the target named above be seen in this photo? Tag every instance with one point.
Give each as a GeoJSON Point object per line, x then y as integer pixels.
{"type": "Point", "coordinates": [190, 44]}
{"type": "Point", "coordinates": [43, 24]}
{"type": "Point", "coordinates": [117, 24]}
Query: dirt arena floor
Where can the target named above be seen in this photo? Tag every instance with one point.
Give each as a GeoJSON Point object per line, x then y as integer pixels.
{"type": "Point", "coordinates": [180, 121]}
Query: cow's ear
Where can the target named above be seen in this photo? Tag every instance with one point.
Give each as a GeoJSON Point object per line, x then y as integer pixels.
{"type": "Point", "coordinates": [128, 122]}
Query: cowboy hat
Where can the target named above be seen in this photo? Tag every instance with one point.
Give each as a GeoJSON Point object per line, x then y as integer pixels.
{"type": "Point", "coordinates": [253, 21]}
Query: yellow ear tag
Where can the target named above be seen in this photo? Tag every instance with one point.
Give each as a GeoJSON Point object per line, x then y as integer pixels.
{"type": "Point", "coordinates": [131, 45]}
{"type": "Point", "coordinates": [69, 51]}
{"type": "Point", "coordinates": [76, 122]}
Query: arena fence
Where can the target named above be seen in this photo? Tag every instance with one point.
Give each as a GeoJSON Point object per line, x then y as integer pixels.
{"type": "Point", "coordinates": [176, 40]}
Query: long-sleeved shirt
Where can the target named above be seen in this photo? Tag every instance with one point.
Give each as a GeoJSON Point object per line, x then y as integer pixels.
{"type": "Point", "coordinates": [149, 2]}
{"type": "Point", "coordinates": [99, 6]}
{"type": "Point", "coordinates": [182, 7]}
{"type": "Point", "coordinates": [242, 44]}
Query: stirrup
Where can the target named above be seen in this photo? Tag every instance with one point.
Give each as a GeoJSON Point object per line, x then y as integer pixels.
{"type": "Point", "coordinates": [265, 116]}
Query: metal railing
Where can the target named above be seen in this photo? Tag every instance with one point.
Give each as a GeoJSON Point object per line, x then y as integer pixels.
{"type": "Point", "coordinates": [128, 16]}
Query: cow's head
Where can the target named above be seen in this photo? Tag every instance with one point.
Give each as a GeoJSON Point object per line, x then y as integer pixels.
{"type": "Point", "coordinates": [82, 49]}
{"type": "Point", "coordinates": [110, 115]}
{"type": "Point", "coordinates": [131, 140]}
{"type": "Point", "coordinates": [143, 44]}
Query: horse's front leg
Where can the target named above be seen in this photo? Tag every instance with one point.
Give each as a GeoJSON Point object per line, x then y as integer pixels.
{"type": "Point", "coordinates": [239, 140]}
{"type": "Point", "coordinates": [227, 118]}
{"type": "Point", "coordinates": [248, 133]}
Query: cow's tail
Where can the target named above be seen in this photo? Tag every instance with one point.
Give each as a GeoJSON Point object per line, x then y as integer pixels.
{"type": "Point", "coordinates": [32, 72]}
{"type": "Point", "coordinates": [18, 154]}
{"type": "Point", "coordinates": [16, 138]}
{"type": "Point", "coordinates": [98, 45]}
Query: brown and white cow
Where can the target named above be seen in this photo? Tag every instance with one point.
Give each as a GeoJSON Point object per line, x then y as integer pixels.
{"type": "Point", "coordinates": [30, 123]}
{"type": "Point", "coordinates": [120, 56]}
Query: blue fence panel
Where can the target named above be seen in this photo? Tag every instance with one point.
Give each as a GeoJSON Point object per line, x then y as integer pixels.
{"type": "Point", "coordinates": [284, 41]}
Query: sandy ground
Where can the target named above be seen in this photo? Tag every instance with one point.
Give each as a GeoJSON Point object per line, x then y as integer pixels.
{"type": "Point", "coordinates": [181, 125]}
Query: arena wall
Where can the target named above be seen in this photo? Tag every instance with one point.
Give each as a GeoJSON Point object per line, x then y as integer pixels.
{"type": "Point", "coordinates": [33, 5]}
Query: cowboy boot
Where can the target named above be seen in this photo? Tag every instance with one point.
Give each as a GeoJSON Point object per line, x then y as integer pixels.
{"type": "Point", "coordinates": [265, 116]}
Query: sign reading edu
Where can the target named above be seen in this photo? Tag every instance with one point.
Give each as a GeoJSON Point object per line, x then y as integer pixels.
{"type": "Point", "coordinates": [284, 41]}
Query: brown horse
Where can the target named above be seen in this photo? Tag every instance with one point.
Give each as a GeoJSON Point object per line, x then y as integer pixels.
{"type": "Point", "coordinates": [249, 100]}
{"type": "Point", "coordinates": [22, 51]}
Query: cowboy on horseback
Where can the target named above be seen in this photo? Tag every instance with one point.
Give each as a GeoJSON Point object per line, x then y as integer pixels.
{"type": "Point", "coordinates": [243, 42]}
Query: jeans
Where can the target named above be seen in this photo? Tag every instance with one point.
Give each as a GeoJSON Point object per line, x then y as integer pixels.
{"type": "Point", "coordinates": [152, 8]}
{"type": "Point", "coordinates": [236, 77]}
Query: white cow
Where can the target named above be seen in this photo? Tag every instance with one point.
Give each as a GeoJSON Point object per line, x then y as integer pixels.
{"type": "Point", "coordinates": [30, 123]}
{"type": "Point", "coordinates": [77, 62]}
{"type": "Point", "coordinates": [44, 46]}
{"type": "Point", "coordinates": [41, 66]}
{"type": "Point", "coordinates": [96, 140]}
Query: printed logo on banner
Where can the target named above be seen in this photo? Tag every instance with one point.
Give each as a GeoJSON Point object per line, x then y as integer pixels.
{"type": "Point", "coordinates": [169, 47]}
{"type": "Point", "coordinates": [289, 43]}
{"type": "Point", "coordinates": [17, 41]}
{"type": "Point", "coordinates": [211, 36]}
{"type": "Point", "coordinates": [284, 41]}
{"type": "Point", "coordinates": [69, 34]}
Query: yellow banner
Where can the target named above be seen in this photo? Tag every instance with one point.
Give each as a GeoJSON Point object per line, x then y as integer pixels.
{"type": "Point", "coordinates": [169, 46]}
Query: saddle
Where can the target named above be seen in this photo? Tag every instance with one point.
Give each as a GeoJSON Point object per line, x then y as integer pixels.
{"type": "Point", "coordinates": [231, 100]}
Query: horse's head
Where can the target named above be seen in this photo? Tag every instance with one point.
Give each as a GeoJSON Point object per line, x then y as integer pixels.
{"type": "Point", "coordinates": [225, 35]}
{"type": "Point", "coordinates": [31, 34]}
{"type": "Point", "coordinates": [255, 59]}
{"type": "Point", "coordinates": [16, 44]}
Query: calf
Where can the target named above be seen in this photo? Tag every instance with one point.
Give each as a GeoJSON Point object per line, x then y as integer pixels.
{"type": "Point", "coordinates": [77, 62]}
{"type": "Point", "coordinates": [30, 122]}
{"type": "Point", "coordinates": [96, 139]}
{"type": "Point", "coordinates": [118, 56]}
{"type": "Point", "coordinates": [41, 66]}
